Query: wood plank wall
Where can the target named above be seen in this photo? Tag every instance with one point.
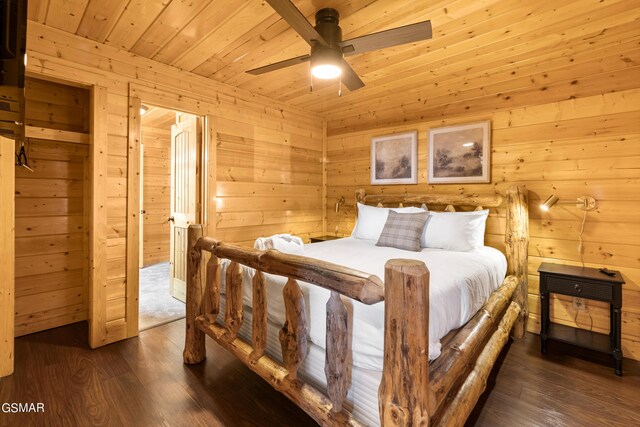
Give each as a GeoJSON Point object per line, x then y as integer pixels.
{"type": "Point", "coordinates": [56, 106]}
{"type": "Point", "coordinates": [261, 186]}
{"type": "Point", "coordinates": [584, 146]}
{"type": "Point", "coordinates": [156, 192]}
{"type": "Point", "coordinates": [51, 256]}
{"type": "Point", "coordinates": [268, 181]}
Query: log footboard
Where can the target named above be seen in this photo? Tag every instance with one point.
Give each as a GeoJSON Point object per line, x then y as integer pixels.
{"type": "Point", "coordinates": [412, 391]}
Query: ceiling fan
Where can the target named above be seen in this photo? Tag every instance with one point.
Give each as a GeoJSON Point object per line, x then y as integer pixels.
{"type": "Point", "coordinates": [327, 47]}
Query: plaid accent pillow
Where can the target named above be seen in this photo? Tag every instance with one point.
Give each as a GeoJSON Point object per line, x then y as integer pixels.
{"type": "Point", "coordinates": [403, 230]}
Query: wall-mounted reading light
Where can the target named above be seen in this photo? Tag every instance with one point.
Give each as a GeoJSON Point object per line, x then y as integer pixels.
{"type": "Point", "coordinates": [143, 109]}
{"type": "Point", "coordinates": [585, 203]}
{"type": "Point", "coordinates": [339, 203]}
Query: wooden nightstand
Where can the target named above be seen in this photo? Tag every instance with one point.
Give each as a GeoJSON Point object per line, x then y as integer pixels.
{"type": "Point", "coordinates": [323, 238]}
{"type": "Point", "coordinates": [588, 283]}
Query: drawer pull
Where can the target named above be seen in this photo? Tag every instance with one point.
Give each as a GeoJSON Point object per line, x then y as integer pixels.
{"type": "Point", "coordinates": [577, 288]}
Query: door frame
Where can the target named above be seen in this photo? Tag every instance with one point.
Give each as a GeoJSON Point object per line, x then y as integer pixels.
{"type": "Point", "coordinates": [95, 219]}
{"type": "Point", "coordinates": [7, 254]}
{"type": "Point", "coordinates": [207, 181]}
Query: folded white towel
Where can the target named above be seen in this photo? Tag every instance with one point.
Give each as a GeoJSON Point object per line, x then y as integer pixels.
{"type": "Point", "coordinates": [262, 243]}
{"type": "Point", "coordinates": [285, 243]}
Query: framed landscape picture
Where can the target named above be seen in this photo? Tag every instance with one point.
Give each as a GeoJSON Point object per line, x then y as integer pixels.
{"type": "Point", "coordinates": [460, 154]}
{"type": "Point", "coordinates": [394, 159]}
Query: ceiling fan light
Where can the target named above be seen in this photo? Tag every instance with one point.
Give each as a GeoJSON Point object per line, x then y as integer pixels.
{"type": "Point", "coordinates": [326, 63]}
{"type": "Point", "coordinates": [326, 71]}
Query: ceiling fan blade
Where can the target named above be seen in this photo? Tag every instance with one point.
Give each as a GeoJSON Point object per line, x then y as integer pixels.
{"type": "Point", "coordinates": [349, 77]}
{"type": "Point", "coordinates": [298, 22]}
{"type": "Point", "coordinates": [393, 37]}
{"type": "Point", "coordinates": [279, 65]}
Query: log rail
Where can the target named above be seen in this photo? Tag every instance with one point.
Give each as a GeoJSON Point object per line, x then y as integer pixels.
{"type": "Point", "coordinates": [412, 391]}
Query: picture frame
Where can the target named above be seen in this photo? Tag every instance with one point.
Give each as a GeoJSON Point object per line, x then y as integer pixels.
{"type": "Point", "coordinates": [460, 154]}
{"type": "Point", "coordinates": [394, 159]}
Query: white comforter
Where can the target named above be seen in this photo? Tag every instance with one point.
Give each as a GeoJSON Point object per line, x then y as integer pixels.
{"type": "Point", "coordinates": [460, 282]}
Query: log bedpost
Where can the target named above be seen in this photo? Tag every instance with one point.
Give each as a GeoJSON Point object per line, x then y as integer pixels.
{"type": "Point", "coordinates": [194, 346]}
{"type": "Point", "coordinates": [403, 397]}
{"type": "Point", "coordinates": [517, 245]}
{"type": "Point", "coordinates": [293, 335]}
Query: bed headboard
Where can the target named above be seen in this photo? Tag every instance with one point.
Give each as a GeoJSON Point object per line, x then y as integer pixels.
{"type": "Point", "coordinates": [516, 235]}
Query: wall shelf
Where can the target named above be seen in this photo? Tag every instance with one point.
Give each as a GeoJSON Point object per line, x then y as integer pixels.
{"type": "Point", "coordinates": [56, 135]}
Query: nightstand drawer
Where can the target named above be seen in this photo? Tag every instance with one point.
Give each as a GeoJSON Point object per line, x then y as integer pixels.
{"type": "Point", "coordinates": [578, 288]}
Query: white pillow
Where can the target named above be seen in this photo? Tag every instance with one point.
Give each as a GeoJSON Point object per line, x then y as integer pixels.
{"type": "Point", "coordinates": [371, 220]}
{"type": "Point", "coordinates": [455, 231]}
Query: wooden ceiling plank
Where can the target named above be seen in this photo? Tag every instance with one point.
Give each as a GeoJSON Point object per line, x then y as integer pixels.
{"type": "Point", "coordinates": [134, 21]}
{"type": "Point", "coordinates": [207, 22]}
{"type": "Point", "coordinates": [99, 18]}
{"type": "Point", "coordinates": [65, 15]}
{"type": "Point", "coordinates": [541, 21]}
{"type": "Point", "coordinates": [420, 12]}
{"type": "Point", "coordinates": [587, 49]}
{"type": "Point", "coordinates": [227, 31]}
{"type": "Point", "coordinates": [449, 38]}
{"type": "Point", "coordinates": [238, 56]}
{"type": "Point", "coordinates": [540, 72]}
{"type": "Point", "coordinates": [480, 49]}
{"type": "Point", "coordinates": [290, 45]}
{"type": "Point", "coordinates": [475, 46]}
{"type": "Point", "coordinates": [523, 60]}
{"type": "Point", "coordinates": [502, 46]}
{"type": "Point", "coordinates": [239, 48]}
{"type": "Point", "coordinates": [497, 92]}
{"type": "Point", "coordinates": [170, 22]}
{"type": "Point", "coordinates": [272, 46]}
{"type": "Point", "coordinates": [273, 52]}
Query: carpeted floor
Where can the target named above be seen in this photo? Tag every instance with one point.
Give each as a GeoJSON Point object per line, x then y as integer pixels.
{"type": "Point", "coordinates": [157, 306]}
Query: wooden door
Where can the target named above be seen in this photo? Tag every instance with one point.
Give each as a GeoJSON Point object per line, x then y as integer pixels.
{"type": "Point", "coordinates": [185, 137]}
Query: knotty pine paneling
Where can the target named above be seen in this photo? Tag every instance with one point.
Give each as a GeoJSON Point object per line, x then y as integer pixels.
{"type": "Point", "coordinates": [156, 190]}
{"type": "Point", "coordinates": [267, 182]}
{"type": "Point", "coordinates": [262, 142]}
{"type": "Point", "coordinates": [56, 106]}
{"type": "Point", "coordinates": [483, 54]}
{"type": "Point", "coordinates": [51, 260]}
{"type": "Point", "coordinates": [583, 146]}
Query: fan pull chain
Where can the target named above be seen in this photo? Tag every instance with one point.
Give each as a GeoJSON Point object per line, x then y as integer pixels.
{"type": "Point", "coordinates": [311, 82]}
{"type": "Point", "coordinates": [340, 85]}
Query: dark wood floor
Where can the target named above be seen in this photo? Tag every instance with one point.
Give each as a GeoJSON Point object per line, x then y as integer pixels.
{"type": "Point", "coordinates": [142, 382]}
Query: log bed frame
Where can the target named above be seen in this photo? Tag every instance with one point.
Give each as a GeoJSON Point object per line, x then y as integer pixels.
{"type": "Point", "coordinates": [413, 392]}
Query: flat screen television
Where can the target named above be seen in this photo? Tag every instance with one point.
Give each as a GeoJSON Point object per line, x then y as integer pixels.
{"type": "Point", "coordinates": [13, 47]}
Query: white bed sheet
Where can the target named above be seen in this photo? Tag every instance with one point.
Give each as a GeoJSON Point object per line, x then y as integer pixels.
{"type": "Point", "coordinates": [460, 283]}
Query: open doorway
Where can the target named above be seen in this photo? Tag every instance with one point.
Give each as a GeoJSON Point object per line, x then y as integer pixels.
{"type": "Point", "coordinates": [169, 201]}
